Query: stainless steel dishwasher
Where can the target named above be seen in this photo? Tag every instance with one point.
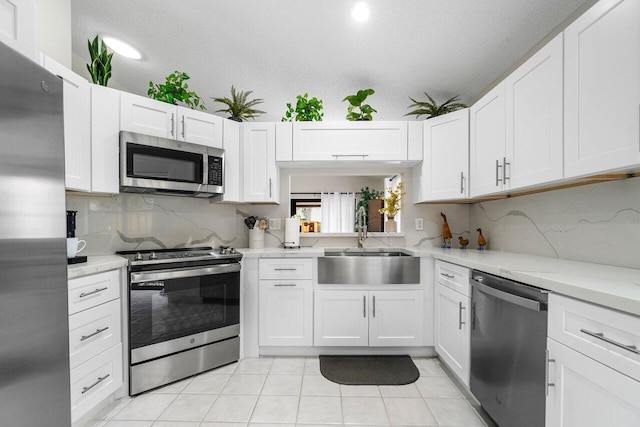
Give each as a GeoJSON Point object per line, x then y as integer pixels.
{"type": "Point", "coordinates": [508, 343]}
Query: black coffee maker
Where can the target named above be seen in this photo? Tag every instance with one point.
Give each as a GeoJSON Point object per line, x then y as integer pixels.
{"type": "Point", "coordinates": [71, 232]}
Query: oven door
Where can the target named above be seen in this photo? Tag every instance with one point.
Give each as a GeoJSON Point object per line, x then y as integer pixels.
{"type": "Point", "coordinates": [177, 309]}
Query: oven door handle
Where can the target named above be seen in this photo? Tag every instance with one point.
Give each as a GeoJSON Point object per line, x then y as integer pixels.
{"type": "Point", "coordinates": [506, 296]}
{"type": "Point", "coordinates": [149, 276]}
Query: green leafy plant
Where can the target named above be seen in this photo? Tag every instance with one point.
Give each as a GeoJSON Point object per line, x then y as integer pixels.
{"type": "Point", "coordinates": [306, 110]}
{"type": "Point", "coordinates": [432, 109]}
{"type": "Point", "coordinates": [100, 66]}
{"type": "Point", "coordinates": [174, 90]}
{"type": "Point", "coordinates": [356, 109]}
{"type": "Point", "coordinates": [367, 194]}
{"type": "Point", "coordinates": [238, 106]}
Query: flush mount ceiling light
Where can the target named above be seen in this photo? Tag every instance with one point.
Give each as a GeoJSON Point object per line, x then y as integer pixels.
{"type": "Point", "coordinates": [360, 11]}
{"type": "Point", "coordinates": [122, 48]}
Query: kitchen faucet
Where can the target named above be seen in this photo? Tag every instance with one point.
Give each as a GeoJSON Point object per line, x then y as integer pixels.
{"type": "Point", "coordinates": [362, 225]}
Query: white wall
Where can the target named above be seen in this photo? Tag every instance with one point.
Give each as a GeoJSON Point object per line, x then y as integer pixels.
{"type": "Point", "coordinates": [54, 29]}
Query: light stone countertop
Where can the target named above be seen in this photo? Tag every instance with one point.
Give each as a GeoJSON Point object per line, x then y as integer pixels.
{"type": "Point", "coordinates": [610, 286]}
{"type": "Point", "coordinates": [95, 264]}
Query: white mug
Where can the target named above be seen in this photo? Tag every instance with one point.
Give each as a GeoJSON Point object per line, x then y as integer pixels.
{"type": "Point", "coordinates": [72, 246]}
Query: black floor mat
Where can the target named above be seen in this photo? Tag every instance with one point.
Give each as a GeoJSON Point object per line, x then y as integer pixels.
{"type": "Point", "coordinates": [369, 370]}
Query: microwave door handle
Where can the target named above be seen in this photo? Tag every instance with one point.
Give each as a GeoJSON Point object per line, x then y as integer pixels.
{"type": "Point", "coordinates": [150, 276]}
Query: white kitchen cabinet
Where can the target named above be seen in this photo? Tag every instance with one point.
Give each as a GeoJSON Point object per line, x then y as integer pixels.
{"type": "Point", "coordinates": [199, 127]}
{"type": "Point", "coordinates": [350, 141]}
{"type": "Point", "coordinates": [77, 126]}
{"type": "Point", "coordinates": [105, 139]}
{"type": "Point", "coordinates": [487, 142]}
{"type": "Point", "coordinates": [284, 141]}
{"type": "Point", "coordinates": [286, 313]}
{"type": "Point", "coordinates": [444, 170]}
{"type": "Point", "coordinates": [602, 89]}
{"type": "Point", "coordinates": [93, 331]}
{"type": "Point", "coordinates": [147, 116]}
{"type": "Point", "coordinates": [18, 26]}
{"type": "Point", "coordinates": [368, 318]}
{"type": "Point", "coordinates": [261, 175]}
{"type": "Point", "coordinates": [583, 392]}
{"type": "Point", "coordinates": [232, 161]}
{"type": "Point", "coordinates": [534, 135]}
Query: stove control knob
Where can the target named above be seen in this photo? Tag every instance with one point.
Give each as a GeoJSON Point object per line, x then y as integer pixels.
{"type": "Point", "coordinates": [233, 251]}
{"type": "Point", "coordinates": [138, 257]}
{"type": "Point", "coordinates": [153, 256]}
{"type": "Point", "coordinates": [223, 251]}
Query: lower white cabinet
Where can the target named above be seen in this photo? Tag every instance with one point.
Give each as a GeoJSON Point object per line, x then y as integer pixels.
{"type": "Point", "coordinates": [583, 392]}
{"type": "Point", "coordinates": [286, 313]}
{"type": "Point", "coordinates": [368, 318]}
{"type": "Point", "coordinates": [452, 331]}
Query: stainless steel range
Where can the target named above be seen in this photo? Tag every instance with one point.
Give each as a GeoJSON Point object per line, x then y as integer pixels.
{"type": "Point", "coordinates": [184, 313]}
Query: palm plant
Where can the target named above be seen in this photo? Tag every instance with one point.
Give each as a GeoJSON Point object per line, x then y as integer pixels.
{"type": "Point", "coordinates": [238, 107]}
{"type": "Point", "coordinates": [100, 66]}
{"type": "Point", "coordinates": [432, 109]}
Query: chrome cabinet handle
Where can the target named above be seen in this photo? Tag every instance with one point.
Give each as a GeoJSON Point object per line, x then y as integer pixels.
{"type": "Point", "coordinates": [285, 269]}
{"type": "Point", "coordinates": [172, 124]}
{"type": "Point", "coordinates": [86, 337]}
{"type": "Point", "coordinates": [269, 187]}
{"type": "Point", "coordinates": [448, 275]}
{"type": "Point", "coordinates": [461, 182]}
{"type": "Point", "coordinates": [100, 379]}
{"type": "Point", "coordinates": [86, 294]}
{"type": "Point", "coordinates": [498, 166]}
{"type": "Point", "coordinates": [600, 336]}
{"type": "Point", "coordinates": [504, 170]}
{"type": "Point", "coordinates": [364, 306]}
{"type": "Point", "coordinates": [183, 126]}
{"type": "Point", "coordinates": [285, 284]}
{"type": "Point", "coordinates": [374, 306]}
{"type": "Point", "coordinates": [336, 156]}
{"type": "Point", "coordinates": [460, 322]}
{"type": "Point", "coordinates": [546, 372]}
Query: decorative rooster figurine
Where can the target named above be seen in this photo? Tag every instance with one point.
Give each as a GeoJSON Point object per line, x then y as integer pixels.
{"type": "Point", "coordinates": [463, 242]}
{"type": "Point", "coordinates": [481, 240]}
{"type": "Point", "coordinates": [446, 232]}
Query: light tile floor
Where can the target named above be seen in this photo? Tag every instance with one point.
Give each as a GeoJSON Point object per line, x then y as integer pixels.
{"type": "Point", "coordinates": [287, 391]}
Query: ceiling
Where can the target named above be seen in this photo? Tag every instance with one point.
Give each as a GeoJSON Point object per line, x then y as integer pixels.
{"type": "Point", "coordinates": [282, 48]}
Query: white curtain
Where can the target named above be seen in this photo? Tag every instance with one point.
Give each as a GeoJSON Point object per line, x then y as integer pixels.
{"type": "Point", "coordinates": [338, 212]}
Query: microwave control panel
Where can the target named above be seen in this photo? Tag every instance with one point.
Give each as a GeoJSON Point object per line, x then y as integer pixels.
{"type": "Point", "coordinates": [215, 170]}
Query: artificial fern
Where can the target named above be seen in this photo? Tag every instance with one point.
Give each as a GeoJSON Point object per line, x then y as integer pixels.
{"type": "Point", "coordinates": [431, 108]}
{"type": "Point", "coordinates": [238, 106]}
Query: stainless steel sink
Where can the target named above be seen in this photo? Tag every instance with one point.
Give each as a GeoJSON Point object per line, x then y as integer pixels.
{"type": "Point", "coordinates": [365, 266]}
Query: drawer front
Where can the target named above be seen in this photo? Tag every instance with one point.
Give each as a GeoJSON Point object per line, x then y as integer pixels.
{"type": "Point", "coordinates": [90, 291]}
{"type": "Point", "coordinates": [453, 277]}
{"type": "Point", "coordinates": [601, 333]}
{"type": "Point", "coordinates": [93, 331]}
{"type": "Point", "coordinates": [286, 268]}
{"type": "Point", "coordinates": [95, 380]}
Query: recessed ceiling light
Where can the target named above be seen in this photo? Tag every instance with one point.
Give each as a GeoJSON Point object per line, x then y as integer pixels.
{"type": "Point", "coordinates": [122, 48]}
{"type": "Point", "coordinates": [360, 11]}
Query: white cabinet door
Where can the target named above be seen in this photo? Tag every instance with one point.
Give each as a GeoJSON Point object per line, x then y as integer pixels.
{"type": "Point", "coordinates": [18, 26]}
{"type": "Point", "coordinates": [147, 116]}
{"type": "Point", "coordinates": [396, 318]}
{"type": "Point", "coordinates": [487, 142]}
{"type": "Point", "coordinates": [284, 142]}
{"type": "Point", "coordinates": [534, 118]}
{"type": "Point", "coordinates": [340, 141]}
{"type": "Point", "coordinates": [286, 313]}
{"type": "Point", "coordinates": [445, 167]}
{"type": "Point", "coordinates": [341, 318]}
{"type": "Point", "coordinates": [452, 331]}
{"type": "Point", "coordinates": [260, 171]}
{"type": "Point", "coordinates": [602, 89]}
{"type": "Point", "coordinates": [199, 127]}
{"type": "Point", "coordinates": [77, 130]}
{"type": "Point", "coordinates": [105, 139]}
{"type": "Point", "coordinates": [587, 393]}
{"type": "Point", "coordinates": [232, 161]}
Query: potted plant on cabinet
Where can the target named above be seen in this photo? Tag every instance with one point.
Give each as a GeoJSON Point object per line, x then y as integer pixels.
{"type": "Point", "coordinates": [174, 90]}
{"type": "Point", "coordinates": [306, 110]}
{"type": "Point", "coordinates": [100, 66]}
{"type": "Point", "coordinates": [432, 109]}
{"type": "Point", "coordinates": [392, 205]}
{"type": "Point", "coordinates": [238, 107]}
{"type": "Point", "coordinates": [357, 111]}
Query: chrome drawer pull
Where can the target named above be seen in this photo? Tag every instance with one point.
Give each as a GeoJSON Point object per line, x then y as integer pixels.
{"type": "Point", "coordinates": [600, 336]}
{"type": "Point", "coordinates": [100, 379]}
{"type": "Point", "coordinates": [86, 294]}
{"type": "Point", "coordinates": [448, 275]}
{"type": "Point", "coordinates": [460, 322]}
{"type": "Point", "coordinates": [364, 306]}
{"type": "Point", "coordinates": [546, 373]}
{"type": "Point", "coordinates": [284, 284]}
{"type": "Point", "coordinates": [86, 337]}
{"type": "Point", "coordinates": [374, 306]}
{"type": "Point", "coordinates": [285, 269]}
{"type": "Point", "coordinates": [498, 166]}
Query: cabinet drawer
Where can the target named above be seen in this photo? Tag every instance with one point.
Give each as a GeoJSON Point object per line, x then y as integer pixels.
{"type": "Point", "coordinates": [93, 331]}
{"type": "Point", "coordinates": [453, 277]}
{"type": "Point", "coordinates": [90, 291]}
{"type": "Point", "coordinates": [603, 334]}
{"type": "Point", "coordinates": [286, 268]}
{"type": "Point", "coordinates": [95, 380]}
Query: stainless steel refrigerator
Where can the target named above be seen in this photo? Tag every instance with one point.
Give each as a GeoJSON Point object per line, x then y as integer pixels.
{"type": "Point", "coordinates": [34, 325]}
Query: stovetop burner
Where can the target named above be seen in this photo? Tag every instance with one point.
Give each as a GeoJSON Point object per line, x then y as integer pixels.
{"type": "Point", "coordinates": [181, 255]}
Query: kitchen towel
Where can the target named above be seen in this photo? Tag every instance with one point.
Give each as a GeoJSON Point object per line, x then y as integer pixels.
{"type": "Point", "coordinates": [292, 233]}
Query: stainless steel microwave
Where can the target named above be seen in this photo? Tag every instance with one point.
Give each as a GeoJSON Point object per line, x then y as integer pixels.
{"type": "Point", "coordinates": [150, 164]}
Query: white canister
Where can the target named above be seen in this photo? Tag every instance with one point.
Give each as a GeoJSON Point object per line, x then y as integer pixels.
{"type": "Point", "coordinates": [292, 233]}
{"type": "Point", "coordinates": [256, 238]}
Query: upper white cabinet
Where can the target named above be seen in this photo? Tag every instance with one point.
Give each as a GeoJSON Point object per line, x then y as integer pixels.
{"type": "Point", "coordinates": [534, 119]}
{"type": "Point", "coordinates": [105, 139]}
{"type": "Point", "coordinates": [18, 26]}
{"type": "Point", "coordinates": [444, 172]}
{"type": "Point", "coordinates": [151, 117]}
{"type": "Point", "coordinates": [77, 129]}
{"type": "Point", "coordinates": [261, 177]}
{"type": "Point", "coordinates": [602, 89]}
{"type": "Point", "coordinates": [232, 161]}
{"type": "Point", "coordinates": [352, 141]}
